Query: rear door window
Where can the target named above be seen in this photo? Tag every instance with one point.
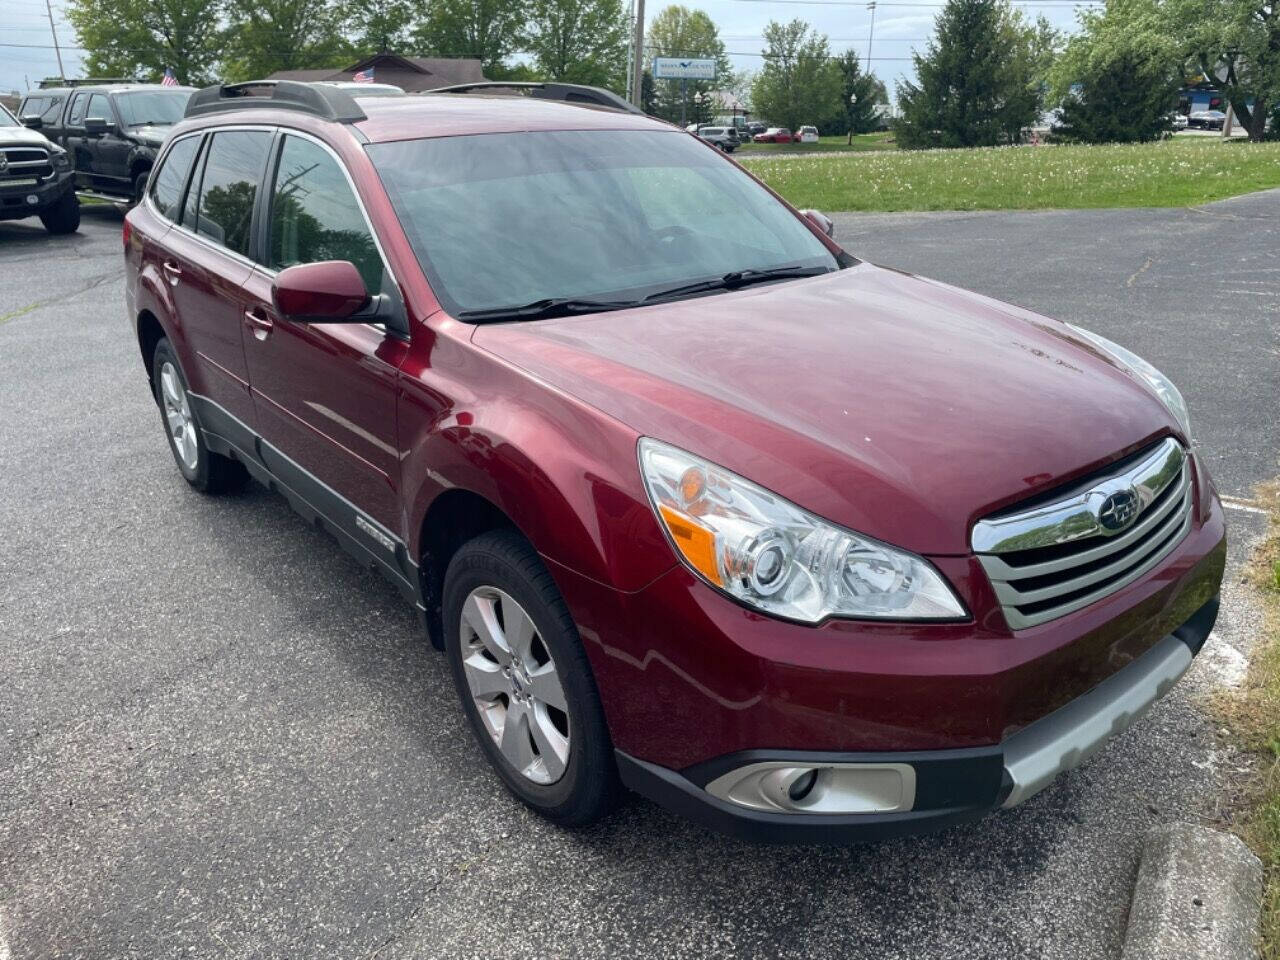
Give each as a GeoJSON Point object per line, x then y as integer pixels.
{"type": "Point", "coordinates": [233, 167]}
{"type": "Point", "coordinates": [166, 183]}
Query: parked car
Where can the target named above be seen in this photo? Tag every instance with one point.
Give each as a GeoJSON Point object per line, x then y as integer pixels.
{"type": "Point", "coordinates": [807, 135]}
{"type": "Point", "coordinates": [774, 135]}
{"type": "Point", "coordinates": [111, 132]}
{"type": "Point", "coordinates": [694, 500]}
{"type": "Point", "coordinates": [726, 138]}
{"type": "Point", "coordinates": [1178, 121]}
{"type": "Point", "coordinates": [753, 128]}
{"type": "Point", "coordinates": [35, 178]}
{"type": "Point", "coordinates": [1206, 120]}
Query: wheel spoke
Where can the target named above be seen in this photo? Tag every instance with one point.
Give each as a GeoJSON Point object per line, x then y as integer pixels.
{"type": "Point", "coordinates": [169, 386]}
{"type": "Point", "coordinates": [553, 746]}
{"type": "Point", "coordinates": [478, 613]}
{"type": "Point", "coordinates": [519, 629]}
{"type": "Point", "coordinates": [545, 686]}
{"type": "Point", "coordinates": [484, 677]}
{"type": "Point", "coordinates": [515, 744]}
{"type": "Point", "coordinates": [174, 419]}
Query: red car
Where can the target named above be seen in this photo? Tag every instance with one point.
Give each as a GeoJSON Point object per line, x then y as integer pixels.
{"type": "Point", "coordinates": [695, 502]}
{"type": "Point", "coordinates": [775, 135]}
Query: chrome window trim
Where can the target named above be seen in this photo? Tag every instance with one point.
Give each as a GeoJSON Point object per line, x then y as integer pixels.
{"type": "Point", "coordinates": [1076, 516]}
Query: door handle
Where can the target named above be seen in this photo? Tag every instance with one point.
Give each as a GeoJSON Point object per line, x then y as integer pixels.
{"type": "Point", "coordinates": [260, 325]}
{"type": "Point", "coordinates": [173, 272]}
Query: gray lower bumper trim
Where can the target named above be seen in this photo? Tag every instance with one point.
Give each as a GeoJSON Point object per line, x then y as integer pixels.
{"type": "Point", "coordinates": [1069, 736]}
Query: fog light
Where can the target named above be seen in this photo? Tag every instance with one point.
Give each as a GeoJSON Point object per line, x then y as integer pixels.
{"type": "Point", "coordinates": [830, 788]}
{"type": "Point", "coordinates": [32, 199]}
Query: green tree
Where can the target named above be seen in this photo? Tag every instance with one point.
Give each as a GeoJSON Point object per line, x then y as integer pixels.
{"type": "Point", "coordinates": [580, 41]}
{"type": "Point", "coordinates": [800, 83]}
{"type": "Point", "coordinates": [681, 32]}
{"type": "Point", "coordinates": [140, 38]}
{"type": "Point", "coordinates": [485, 30]}
{"type": "Point", "coordinates": [1118, 78]}
{"type": "Point", "coordinates": [263, 36]}
{"type": "Point", "coordinates": [977, 82]}
{"type": "Point", "coordinates": [1235, 43]}
{"type": "Point", "coordinates": [378, 26]}
{"type": "Point", "coordinates": [860, 94]}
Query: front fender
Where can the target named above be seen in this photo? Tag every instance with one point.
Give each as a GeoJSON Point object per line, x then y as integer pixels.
{"type": "Point", "coordinates": [565, 474]}
{"type": "Point", "coordinates": [141, 159]}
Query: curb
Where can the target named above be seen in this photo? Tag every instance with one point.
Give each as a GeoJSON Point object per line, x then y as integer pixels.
{"type": "Point", "coordinates": [1198, 897]}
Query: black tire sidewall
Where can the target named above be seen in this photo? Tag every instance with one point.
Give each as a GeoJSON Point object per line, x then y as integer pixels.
{"type": "Point", "coordinates": [63, 216]}
{"type": "Point", "coordinates": [504, 560]}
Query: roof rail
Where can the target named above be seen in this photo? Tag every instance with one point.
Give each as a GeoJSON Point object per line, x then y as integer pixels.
{"type": "Point", "coordinates": [331, 103]}
{"type": "Point", "coordinates": [564, 92]}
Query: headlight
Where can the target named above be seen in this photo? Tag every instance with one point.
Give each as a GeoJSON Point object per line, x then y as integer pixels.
{"type": "Point", "coordinates": [61, 161]}
{"type": "Point", "coordinates": [1156, 380]}
{"type": "Point", "coordinates": [772, 555]}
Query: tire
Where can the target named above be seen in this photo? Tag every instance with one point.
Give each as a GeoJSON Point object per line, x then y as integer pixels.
{"type": "Point", "coordinates": [63, 216]}
{"type": "Point", "coordinates": [205, 470]}
{"type": "Point", "coordinates": [502, 572]}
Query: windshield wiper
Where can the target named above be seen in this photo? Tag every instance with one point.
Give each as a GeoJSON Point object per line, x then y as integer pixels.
{"type": "Point", "coordinates": [545, 309]}
{"type": "Point", "coordinates": [736, 280]}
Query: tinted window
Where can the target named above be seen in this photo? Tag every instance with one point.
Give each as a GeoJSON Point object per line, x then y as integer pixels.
{"type": "Point", "coordinates": [78, 106]}
{"type": "Point", "coordinates": [315, 216]}
{"type": "Point", "coordinates": [228, 187]}
{"type": "Point", "coordinates": [99, 108]}
{"type": "Point", "coordinates": [166, 183]}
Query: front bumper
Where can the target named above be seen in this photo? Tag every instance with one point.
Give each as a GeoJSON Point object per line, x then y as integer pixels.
{"type": "Point", "coordinates": [946, 786]}
{"type": "Point", "coordinates": [15, 201]}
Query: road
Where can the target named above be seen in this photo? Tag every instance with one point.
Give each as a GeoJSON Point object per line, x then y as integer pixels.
{"type": "Point", "coordinates": [223, 739]}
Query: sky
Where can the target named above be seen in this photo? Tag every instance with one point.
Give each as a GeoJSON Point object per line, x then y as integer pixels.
{"type": "Point", "coordinates": [900, 27]}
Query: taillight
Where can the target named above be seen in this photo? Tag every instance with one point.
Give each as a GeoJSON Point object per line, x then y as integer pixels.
{"type": "Point", "coordinates": [127, 232]}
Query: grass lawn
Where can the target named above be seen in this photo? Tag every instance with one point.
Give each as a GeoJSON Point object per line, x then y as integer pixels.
{"type": "Point", "coordinates": [1173, 173]}
{"type": "Point", "coordinates": [1254, 716]}
{"type": "Point", "coordinates": [862, 143]}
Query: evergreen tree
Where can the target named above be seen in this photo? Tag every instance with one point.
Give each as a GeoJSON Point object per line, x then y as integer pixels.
{"type": "Point", "coordinates": [978, 81]}
{"type": "Point", "coordinates": [860, 94]}
{"type": "Point", "coordinates": [1126, 100]}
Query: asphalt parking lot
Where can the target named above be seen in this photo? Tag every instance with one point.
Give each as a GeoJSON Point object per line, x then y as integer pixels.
{"type": "Point", "coordinates": [223, 739]}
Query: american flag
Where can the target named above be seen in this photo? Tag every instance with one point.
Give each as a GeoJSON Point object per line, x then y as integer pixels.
{"type": "Point", "coordinates": [364, 76]}
{"type": "Point", "coordinates": [169, 79]}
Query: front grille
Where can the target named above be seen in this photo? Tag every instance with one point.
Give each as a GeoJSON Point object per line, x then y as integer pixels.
{"type": "Point", "coordinates": [23, 163]}
{"type": "Point", "coordinates": [1059, 556]}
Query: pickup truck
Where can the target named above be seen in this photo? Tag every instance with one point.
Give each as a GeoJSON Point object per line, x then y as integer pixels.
{"type": "Point", "coordinates": [112, 132]}
{"type": "Point", "coordinates": [35, 178]}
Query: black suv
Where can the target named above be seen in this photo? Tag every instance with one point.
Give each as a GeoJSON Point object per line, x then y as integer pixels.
{"type": "Point", "coordinates": [112, 132]}
{"type": "Point", "coordinates": [35, 178]}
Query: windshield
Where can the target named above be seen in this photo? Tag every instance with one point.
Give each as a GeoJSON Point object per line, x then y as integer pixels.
{"type": "Point", "coordinates": [6, 119]}
{"type": "Point", "coordinates": [501, 220]}
{"type": "Point", "coordinates": [157, 107]}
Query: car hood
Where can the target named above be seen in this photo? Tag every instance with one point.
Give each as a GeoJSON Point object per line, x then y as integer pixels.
{"type": "Point", "coordinates": [897, 406]}
{"type": "Point", "coordinates": [23, 137]}
{"type": "Point", "coordinates": [149, 135]}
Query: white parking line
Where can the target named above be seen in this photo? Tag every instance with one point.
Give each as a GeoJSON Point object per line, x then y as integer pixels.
{"type": "Point", "coordinates": [1244, 506]}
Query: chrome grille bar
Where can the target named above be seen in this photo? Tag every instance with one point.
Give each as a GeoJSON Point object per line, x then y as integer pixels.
{"type": "Point", "coordinates": [1054, 558]}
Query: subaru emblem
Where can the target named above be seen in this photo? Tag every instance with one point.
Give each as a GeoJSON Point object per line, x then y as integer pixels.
{"type": "Point", "coordinates": [1118, 510]}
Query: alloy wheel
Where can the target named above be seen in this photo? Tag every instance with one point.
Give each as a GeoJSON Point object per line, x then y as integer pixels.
{"type": "Point", "coordinates": [514, 684]}
{"type": "Point", "coordinates": [177, 414]}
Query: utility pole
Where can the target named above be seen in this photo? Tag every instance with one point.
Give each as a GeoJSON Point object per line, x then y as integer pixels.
{"type": "Point", "coordinates": [872, 35]}
{"type": "Point", "coordinates": [56, 49]}
{"type": "Point", "coordinates": [637, 67]}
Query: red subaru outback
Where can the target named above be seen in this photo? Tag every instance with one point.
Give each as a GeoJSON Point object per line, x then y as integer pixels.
{"type": "Point", "coordinates": [694, 501]}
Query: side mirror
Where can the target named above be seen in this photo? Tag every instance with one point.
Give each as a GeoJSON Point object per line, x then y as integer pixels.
{"type": "Point", "coordinates": [32, 121]}
{"type": "Point", "coordinates": [327, 292]}
{"type": "Point", "coordinates": [96, 126]}
{"type": "Point", "coordinates": [822, 221]}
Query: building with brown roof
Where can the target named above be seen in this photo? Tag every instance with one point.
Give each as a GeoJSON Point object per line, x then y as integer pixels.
{"type": "Point", "coordinates": [411, 74]}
